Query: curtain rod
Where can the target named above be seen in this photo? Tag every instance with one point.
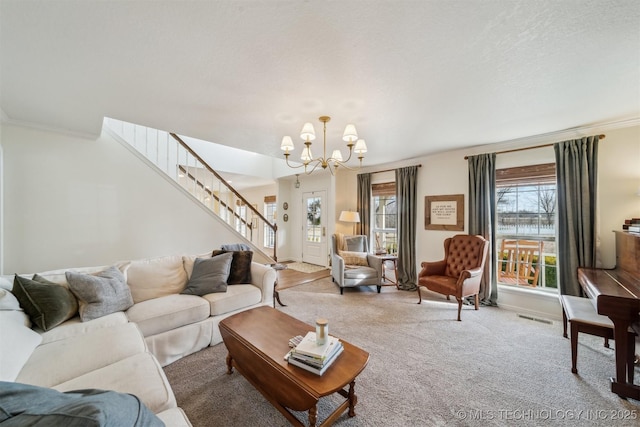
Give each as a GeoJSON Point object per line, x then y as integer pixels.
{"type": "Point", "coordinates": [391, 170]}
{"type": "Point", "coordinates": [531, 148]}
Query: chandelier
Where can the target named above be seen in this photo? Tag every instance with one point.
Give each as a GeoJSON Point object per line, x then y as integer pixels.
{"type": "Point", "coordinates": [310, 164]}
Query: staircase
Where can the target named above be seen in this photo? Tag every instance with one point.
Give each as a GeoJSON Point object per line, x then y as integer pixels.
{"type": "Point", "coordinates": [171, 156]}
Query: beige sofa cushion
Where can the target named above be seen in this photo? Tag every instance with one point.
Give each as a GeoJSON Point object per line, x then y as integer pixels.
{"type": "Point", "coordinates": [75, 326]}
{"type": "Point", "coordinates": [59, 361]}
{"type": "Point", "coordinates": [140, 375]}
{"type": "Point", "coordinates": [156, 277]}
{"type": "Point", "coordinates": [236, 298]}
{"type": "Point", "coordinates": [169, 312]}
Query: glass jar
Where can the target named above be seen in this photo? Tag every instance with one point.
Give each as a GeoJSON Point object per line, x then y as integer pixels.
{"type": "Point", "coordinates": [322, 331]}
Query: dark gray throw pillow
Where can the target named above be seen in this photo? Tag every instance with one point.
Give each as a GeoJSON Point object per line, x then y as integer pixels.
{"type": "Point", "coordinates": [209, 275]}
{"type": "Point", "coordinates": [46, 303]}
{"type": "Point", "coordinates": [101, 293]}
{"type": "Point", "coordinates": [240, 266]}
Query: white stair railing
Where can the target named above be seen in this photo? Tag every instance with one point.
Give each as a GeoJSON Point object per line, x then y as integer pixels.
{"type": "Point", "coordinates": [171, 155]}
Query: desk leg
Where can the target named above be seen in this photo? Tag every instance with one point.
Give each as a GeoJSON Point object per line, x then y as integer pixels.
{"type": "Point", "coordinates": [622, 385]}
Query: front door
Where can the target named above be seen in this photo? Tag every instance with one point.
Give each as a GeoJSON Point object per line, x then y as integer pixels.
{"type": "Point", "coordinates": [314, 240]}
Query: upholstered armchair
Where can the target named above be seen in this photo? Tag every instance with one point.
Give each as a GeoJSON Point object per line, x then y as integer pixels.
{"type": "Point", "coordinates": [460, 272]}
{"type": "Point", "coordinates": [352, 264]}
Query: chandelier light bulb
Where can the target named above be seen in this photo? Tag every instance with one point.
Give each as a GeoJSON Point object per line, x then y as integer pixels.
{"type": "Point", "coordinates": [361, 147]}
{"type": "Point", "coordinates": [308, 133]}
{"type": "Point", "coordinates": [306, 156]}
{"type": "Point", "coordinates": [350, 134]}
{"type": "Point", "coordinates": [287, 144]}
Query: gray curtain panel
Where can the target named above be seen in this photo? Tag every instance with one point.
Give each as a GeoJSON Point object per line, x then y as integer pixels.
{"type": "Point", "coordinates": [482, 218]}
{"type": "Point", "coordinates": [576, 175]}
{"type": "Point", "coordinates": [406, 202]}
{"type": "Point", "coordinates": [364, 203]}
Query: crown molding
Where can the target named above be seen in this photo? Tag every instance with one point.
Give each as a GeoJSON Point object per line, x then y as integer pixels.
{"type": "Point", "coordinates": [555, 136]}
{"type": "Point", "coordinates": [38, 126]}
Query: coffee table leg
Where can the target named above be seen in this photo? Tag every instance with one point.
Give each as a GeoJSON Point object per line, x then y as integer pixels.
{"type": "Point", "coordinates": [229, 364]}
{"type": "Point", "coordinates": [313, 416]}
{"type": "Point", "coordinates": [353, 399]}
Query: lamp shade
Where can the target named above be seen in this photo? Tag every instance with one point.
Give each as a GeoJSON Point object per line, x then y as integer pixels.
{"type": "Point", "coordinates": [287, 144]}
{"type": "Point", "coordinates": [336, 155]}
{"type": "Point", "coordinates": [361, 147]}
{"type": "Point", "coordinates": [350, 133]}
{"type": "Point", "coordinates": [306, 155]}
{"type": "Point", "coordinates": [308, 133]}
{"type": "Point", "coordinates": [349, 216]}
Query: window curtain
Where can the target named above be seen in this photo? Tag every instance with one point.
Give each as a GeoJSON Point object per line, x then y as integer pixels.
{"type": "Point", "coordinates": [364, 203]}
{"type": "Point", "coordinates": [577, 171]}
{"type": "Point", "coordinates": [406, 202]}
{"type": "Point", "coordinates": [482, 218]}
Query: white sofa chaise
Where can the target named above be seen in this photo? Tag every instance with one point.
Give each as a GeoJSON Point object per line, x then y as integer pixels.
{"type": "Point", "coordinates": [124, 351]}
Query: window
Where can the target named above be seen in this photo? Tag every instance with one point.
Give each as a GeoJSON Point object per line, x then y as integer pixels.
{"type": "Point", "coordinates": [526, 226]}
{"type": "Point", "coordinates": [270, 215]}
{"type": "Point", "coordinates": [384, 224]}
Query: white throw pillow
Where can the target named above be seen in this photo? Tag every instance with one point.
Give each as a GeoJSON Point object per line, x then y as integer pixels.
{"type": "Point", "coordinates": [17, 343]}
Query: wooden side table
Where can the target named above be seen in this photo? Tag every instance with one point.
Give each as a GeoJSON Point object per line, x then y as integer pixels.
{"type": "Point", "coordinates": [385, 280]}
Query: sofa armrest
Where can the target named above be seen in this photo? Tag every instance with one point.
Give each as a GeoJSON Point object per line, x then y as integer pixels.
{"type": "Point", "coordinates": [263, 277]}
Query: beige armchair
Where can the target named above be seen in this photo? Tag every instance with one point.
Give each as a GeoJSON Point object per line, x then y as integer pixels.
{"type": "Point", "coordinates": [460, 272]}
{"type": "Point", "coordinates": [352, 264]}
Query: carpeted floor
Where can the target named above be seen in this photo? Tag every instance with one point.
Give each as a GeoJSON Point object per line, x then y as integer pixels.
{"type": "Point", "coordinates": [425, 368]}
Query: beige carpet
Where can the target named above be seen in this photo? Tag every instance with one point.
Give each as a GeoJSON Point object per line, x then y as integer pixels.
{"type": "Point", "coordinates": [425, 368]}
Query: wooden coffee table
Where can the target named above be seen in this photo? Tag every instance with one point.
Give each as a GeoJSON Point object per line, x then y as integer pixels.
{"type": "Point", "coordinates": [257, 341]}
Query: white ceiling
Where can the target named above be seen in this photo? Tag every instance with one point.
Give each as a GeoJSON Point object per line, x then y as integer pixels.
{"type": "Point", "coordinates": [415, 77]}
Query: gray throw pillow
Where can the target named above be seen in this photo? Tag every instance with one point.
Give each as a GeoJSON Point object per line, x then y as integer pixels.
{"type": "Point", "coordinates": [101, 293]}
{"type": "Point", "coordinates": [356, 243]}
{"type": "Point", "coordinates": [28, 405]}
{"type": "Point", "coordinates": [46, 303]}
{"type": "Point", "coordinates": [209, 275]}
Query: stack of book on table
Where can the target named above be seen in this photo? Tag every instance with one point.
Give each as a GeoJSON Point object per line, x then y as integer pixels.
{"type": "Point", "coordinates": [308, 355]}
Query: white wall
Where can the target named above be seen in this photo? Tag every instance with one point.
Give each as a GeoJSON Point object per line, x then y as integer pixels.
{"type": "Point", "coordinates": [72, 202]}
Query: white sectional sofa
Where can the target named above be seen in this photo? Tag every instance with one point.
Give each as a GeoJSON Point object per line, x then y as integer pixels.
{"type": "Point", "coordinates": [124, 351]}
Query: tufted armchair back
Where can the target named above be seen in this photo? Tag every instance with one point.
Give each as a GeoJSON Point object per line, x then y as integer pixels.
{"type": "Point", "coordinates": [463, 252]}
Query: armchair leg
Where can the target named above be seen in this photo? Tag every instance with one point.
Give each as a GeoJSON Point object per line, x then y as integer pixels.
{"type": "Point", "coordinates": [459, 307]}
{"type": "Point", "coordinates": [341, 291]}
{"type": "Point", "coordinates": [477, 300]}
{"type": "Point", "coordinates": [379, 287]}
{"type": "Point", "coordinates": [419, 295]}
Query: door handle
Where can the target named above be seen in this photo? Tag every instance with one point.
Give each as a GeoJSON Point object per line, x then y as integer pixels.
{"type": "Point", "coordinates": [324, 231]}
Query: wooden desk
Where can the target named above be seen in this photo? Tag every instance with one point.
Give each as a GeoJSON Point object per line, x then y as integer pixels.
{"type": "Point", "coordinates": [257, 341]}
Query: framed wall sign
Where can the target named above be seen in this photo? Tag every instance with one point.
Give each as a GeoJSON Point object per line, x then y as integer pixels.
{"type": "Point", "coordinates": [444, 212]}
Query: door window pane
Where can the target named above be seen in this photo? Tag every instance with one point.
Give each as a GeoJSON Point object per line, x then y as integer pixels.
{"type": "Point", "coordinates": [314, 219]}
